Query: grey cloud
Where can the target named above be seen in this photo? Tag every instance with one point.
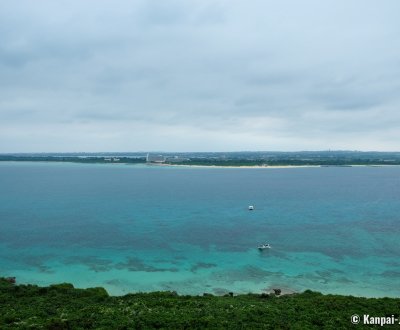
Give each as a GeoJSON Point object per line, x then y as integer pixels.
{"type": "Point", "coordinates": [344, 99]}
{"type": "Point", "coordinates": [243, 73]}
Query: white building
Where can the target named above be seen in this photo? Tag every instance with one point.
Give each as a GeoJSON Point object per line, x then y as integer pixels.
{"type": "Point", "coordinates": [155, 158]}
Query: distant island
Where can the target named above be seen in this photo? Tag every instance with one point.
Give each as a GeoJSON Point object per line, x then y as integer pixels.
{"type": "Point", "coordinates": [224, 159]}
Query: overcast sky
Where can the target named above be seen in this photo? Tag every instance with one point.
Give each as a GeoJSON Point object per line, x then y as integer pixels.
{"type": "Point", "coordinates": [199, 75]}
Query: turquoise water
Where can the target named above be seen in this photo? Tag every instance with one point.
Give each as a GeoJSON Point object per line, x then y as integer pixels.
{"type": "Point", "coordinates": [145, 228]}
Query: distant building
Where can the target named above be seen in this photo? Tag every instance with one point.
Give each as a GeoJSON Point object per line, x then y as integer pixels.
{"type": "Point", "coordinates": [155, 158]}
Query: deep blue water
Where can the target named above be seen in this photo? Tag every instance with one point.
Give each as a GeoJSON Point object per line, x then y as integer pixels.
{"type": "Point", "coordinates": [143, 228]}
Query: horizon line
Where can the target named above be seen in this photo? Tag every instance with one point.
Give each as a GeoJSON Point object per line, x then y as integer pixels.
{"type": "Point", "coordinates": [183, 152]}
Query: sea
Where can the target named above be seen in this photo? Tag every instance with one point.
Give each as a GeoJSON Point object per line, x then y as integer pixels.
{"type": "Point", "coordinates": [141, 228]}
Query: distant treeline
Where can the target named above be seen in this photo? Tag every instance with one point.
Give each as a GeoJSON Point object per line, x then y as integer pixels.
{"type": "Point", "coordinates": [229, 159]}
{"type": "Point", "coordinates": [73, 159]}
{"type": "Point", "coordinates": [289, 162]}
{"type": "Point", "coordinates": [64, 307]}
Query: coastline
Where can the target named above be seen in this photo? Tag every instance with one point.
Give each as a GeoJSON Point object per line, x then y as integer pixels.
{"type": "Point", "coordinates": [266, 167]}
{"type": "Point", "coordinates": [244, 167]}
{"type": "Point", "coordinates": [277, 291]}
{"type": "Point", "coordinates": [144, 164]}
{"type": "Point", "coordinates": [268, 287]}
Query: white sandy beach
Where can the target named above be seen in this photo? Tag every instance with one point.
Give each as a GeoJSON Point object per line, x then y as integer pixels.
{"type": "Point", "coordinates": [246, 166]}
{"type": "Point", "coordinates": [267, 167]}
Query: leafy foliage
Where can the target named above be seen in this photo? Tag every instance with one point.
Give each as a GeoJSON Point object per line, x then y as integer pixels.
{"type": "Point", "coordinates": [64, 307]}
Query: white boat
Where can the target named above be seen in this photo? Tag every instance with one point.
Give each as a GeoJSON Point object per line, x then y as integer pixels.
{"type": "Point", "coordinates": [264, 246]}
{"type": "Point", "coordinates": [251, 207]}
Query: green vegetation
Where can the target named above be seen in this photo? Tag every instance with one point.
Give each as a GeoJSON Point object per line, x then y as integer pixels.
{"type": "Point", "coordinates": [64, 307]}
{"type": "Point", "coordinates": [74, 159]}
{"type": "Point", "coordinates": [317, 158]}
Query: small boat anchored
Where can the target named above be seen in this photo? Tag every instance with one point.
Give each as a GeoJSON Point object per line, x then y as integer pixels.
{"type": "Point", "coordinates": [264, 246]}
{"type": "Point", "coordinates": [251, 207]}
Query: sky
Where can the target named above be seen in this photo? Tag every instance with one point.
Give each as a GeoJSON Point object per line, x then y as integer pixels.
{"type": "Point", "coordinates": [199, 75]}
